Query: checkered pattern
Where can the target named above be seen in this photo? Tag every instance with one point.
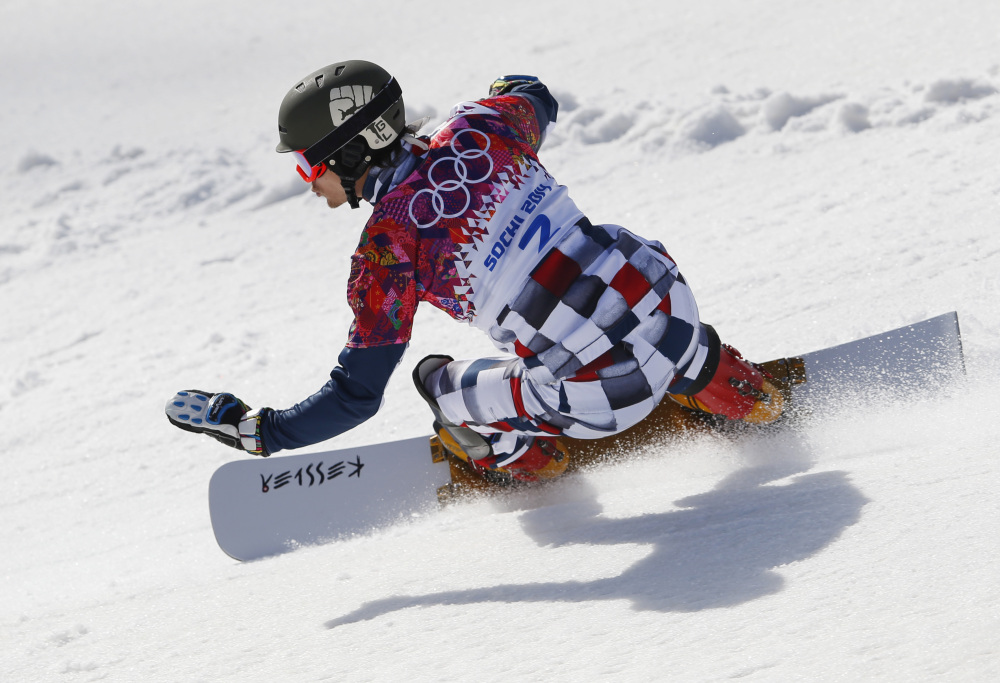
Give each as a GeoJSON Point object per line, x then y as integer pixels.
{"type": "Point", "coordinates": [603, 326]}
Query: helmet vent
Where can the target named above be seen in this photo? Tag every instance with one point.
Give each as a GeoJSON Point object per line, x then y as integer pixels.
{"type": "Point", "coordinates": [339, 70]}
{"type": "Point", "coordinates": [319, 81]}
{"type": "Point", "coordinates": [300, 87]}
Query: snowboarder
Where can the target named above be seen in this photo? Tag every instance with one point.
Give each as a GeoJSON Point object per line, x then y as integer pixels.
{"type": "Point", "coordinates": [597, 323]}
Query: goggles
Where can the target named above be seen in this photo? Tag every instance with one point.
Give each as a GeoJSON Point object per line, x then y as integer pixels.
{"type": "Point", "coordinates": [308, 172]}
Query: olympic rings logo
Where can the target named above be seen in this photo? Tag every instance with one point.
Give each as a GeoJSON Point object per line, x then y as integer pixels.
{"type": "Point", "coordinates": [450, 177]}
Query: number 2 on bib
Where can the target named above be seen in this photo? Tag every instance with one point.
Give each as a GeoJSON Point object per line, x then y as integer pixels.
{"type": "Point", "coordinates": [541, 225]}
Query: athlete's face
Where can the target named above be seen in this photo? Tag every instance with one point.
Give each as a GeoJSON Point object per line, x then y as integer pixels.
{"type": "Point", "coordinates": [329, 187]}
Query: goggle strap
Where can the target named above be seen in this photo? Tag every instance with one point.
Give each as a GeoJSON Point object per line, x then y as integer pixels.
{"type": "Point", "coordinates": [352, 127]}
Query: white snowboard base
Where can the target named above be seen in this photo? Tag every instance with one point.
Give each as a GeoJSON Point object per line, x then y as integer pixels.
{"type": "Point", "coordinates": [912, 359]}
{"type": "Point", "coordinates": [268, 506]}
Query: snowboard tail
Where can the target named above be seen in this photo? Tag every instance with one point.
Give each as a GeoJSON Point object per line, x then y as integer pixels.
{"type": "Point", "coordinates": [262, 507]}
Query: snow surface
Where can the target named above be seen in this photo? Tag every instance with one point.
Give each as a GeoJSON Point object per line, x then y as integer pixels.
{"type": "Point", "coordinates": [821, 171]}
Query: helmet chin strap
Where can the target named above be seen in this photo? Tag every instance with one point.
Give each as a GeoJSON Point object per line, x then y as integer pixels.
{"type": "Point", "coordinates": [350, 190]}
{"type": "Point", "coordinates": [350, 167]}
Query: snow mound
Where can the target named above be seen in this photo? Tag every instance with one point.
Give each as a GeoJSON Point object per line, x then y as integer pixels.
{"type": "Point", "coordinates": [33, 160]}
{"type": "Point", "coordinates": [781, 107]}
{"type": "Point", "coordinates": [952, 91]}
{"type": "Point", "coordinates": [711, 127]}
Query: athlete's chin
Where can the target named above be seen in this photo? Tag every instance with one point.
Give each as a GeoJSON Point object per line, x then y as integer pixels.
{"type": "Point", "coordinates": [330, 202]}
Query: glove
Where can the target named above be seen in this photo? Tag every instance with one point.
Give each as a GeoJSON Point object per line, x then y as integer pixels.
{"type": "Point", "coordinates": [222, 416]}
{"type": "Point", "coordinates": [505, 83]}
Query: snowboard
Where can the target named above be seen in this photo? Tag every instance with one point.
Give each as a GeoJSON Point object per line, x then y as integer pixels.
{"type": "Point", "coordinates": [263, 507]}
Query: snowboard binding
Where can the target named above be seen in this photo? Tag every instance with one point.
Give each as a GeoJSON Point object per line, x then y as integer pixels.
{"type": "Point", "coordinates": [736, 389]}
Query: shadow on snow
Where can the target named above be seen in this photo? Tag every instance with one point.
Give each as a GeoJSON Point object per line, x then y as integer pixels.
{"type": "Point", "coordinates": [718, 550]}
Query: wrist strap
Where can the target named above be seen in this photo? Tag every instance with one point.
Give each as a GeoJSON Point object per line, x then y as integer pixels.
{"type": "Point", "coordinates": [250, 437]}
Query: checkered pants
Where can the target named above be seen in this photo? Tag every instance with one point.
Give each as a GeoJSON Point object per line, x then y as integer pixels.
{"type": "Point", "coordinates": [604, 325]}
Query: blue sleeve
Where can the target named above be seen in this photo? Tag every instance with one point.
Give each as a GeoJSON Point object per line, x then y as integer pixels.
{"type": "Point", "coordinates": [353, 394]}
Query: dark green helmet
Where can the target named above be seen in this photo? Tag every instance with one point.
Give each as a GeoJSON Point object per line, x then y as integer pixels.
{"type": "Point", "coordinates": [329, 98]}
{"type": "Point", "coordinates": [346, 116]}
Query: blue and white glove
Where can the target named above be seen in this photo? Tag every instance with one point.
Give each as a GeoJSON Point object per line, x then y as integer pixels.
{"type": "Point", "coordinates": [222, 416]}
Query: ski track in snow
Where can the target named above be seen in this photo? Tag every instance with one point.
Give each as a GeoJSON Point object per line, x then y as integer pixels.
{"type": "Point", "coordinates": [861, 547]}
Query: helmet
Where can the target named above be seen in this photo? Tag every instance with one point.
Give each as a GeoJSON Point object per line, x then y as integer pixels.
{"type": "Point", "coordinates": [345, 115]}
